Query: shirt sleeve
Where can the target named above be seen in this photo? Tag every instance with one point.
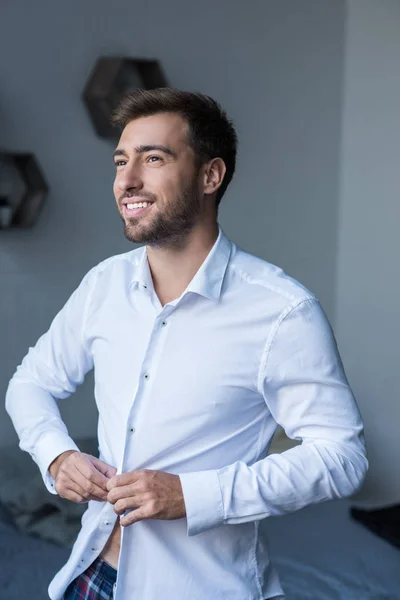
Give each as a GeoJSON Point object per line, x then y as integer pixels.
{"type": "Point", "coordinates": [305, 388]}
{"type": "Point", "coordinates": [52, 369]}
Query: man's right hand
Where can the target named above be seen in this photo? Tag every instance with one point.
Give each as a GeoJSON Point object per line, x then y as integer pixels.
{"type": "Point", "coordinates": [81, 477]}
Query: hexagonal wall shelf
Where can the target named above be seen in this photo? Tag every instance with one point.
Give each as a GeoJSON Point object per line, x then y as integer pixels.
{"type": "Point", "coordinates": [113, 77]}
{"type": "Point", "coordinates": [23, 190]}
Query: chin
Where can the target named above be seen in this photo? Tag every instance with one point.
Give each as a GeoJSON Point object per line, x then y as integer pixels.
{"type": "Point", "coordinates": [134, 234]}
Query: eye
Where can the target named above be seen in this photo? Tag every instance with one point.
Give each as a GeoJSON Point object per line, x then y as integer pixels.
{"type": "Point", "coordinates": [118, 163]}
{"type": "Point", "coordinates": [153, 156]}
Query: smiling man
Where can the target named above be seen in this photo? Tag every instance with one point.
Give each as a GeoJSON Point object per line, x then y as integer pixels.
{"type": "Point", "coordinates": [199, 350]}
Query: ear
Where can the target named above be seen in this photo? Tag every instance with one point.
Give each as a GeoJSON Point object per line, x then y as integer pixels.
{"type": "Point", "coordinates": [214, 173]}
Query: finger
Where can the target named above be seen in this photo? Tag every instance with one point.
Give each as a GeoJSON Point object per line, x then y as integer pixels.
{"type": "Point", "coordinates": [133, 517]}
{"type": "Point", "coordinates": [107, 470]}
{"type": "Point", "coordinates": [75, 496]}
{"type": "Point", "coordinates": [128, 504]}
{"type": "Point", "coordinates": [117, 493]}
{"type": "Point", "coordinates": [72, 478]}
{"type": "Point", "coordinates": [90, 473]}
{"type": "Point", "coordinates": [125, 479]}
{"type": "Point", "coordinates": [80, 486]}
{"type": "Point", "coordinates": [147, 510]}
{"type": "Point", "coordinates": [72, 495]}
{"type": "Point", "coordinates": [88, 487]}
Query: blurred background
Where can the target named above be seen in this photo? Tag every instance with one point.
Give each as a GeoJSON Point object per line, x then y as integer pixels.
{"type": "Point", "coordinates": [313, 87]}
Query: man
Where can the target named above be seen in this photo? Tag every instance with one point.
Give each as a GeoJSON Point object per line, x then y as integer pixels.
{"type": "Point", "coordinates": [199, 350]}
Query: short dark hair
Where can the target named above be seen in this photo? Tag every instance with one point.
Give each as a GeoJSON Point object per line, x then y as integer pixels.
{"type": "Point", "coordinates": [211, 133]}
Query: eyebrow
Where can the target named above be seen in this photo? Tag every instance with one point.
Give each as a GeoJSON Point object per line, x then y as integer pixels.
{"type": "Point", "coordinates": [148, 148]}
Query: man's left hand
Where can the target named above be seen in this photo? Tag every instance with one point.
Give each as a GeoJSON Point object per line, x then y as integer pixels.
{"type": "Point", "coordinates": [152, 495]}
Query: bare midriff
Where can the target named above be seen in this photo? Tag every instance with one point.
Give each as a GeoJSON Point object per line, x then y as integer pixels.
{"type": "Point", "coordinates": [110, 552]}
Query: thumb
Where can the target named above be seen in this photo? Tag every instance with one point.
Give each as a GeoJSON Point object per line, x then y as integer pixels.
{"type": "Point", "coordinates": [107, 470]}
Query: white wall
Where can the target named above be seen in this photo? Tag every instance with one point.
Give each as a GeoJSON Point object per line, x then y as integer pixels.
{"type": "Point", "coordinates": [275, 65]}
{"type": "Point", "coordinates": [367, 317]}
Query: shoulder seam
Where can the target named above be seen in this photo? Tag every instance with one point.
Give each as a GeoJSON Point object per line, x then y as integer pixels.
{"type": "Point", "coordinates": [252, 280]}
{"type": "Point", "coordinates": [96, 270]}
{"type": "Point", "coordinates": [86, 308]}
{"type": "Point", "coordinates": [270, 339]}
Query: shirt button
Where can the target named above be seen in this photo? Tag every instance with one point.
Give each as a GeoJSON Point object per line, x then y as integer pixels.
{"type": "Point", "coordinates": [132, 429]}
{"type": "Point", "coordinates": [106, 523]}
{"type": "Point", "coordinates": [147, 376]}
{"type": "Point", "coordinates": [164, 323]}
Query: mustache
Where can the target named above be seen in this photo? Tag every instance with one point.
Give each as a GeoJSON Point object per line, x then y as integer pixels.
{"type": "Point", "coordinates": [138, 196]}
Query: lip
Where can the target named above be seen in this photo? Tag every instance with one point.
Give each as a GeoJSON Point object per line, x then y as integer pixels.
{"type": "Point", "coordinates": [134, 212]}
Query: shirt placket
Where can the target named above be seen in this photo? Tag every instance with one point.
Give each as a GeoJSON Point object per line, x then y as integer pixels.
{"type": "Point", "coordinates": [148, 369]}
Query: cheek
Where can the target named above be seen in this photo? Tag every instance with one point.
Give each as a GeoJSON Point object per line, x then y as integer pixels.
{"type": "Point", "coordinates": [115, 189]}
{"type": "Point", "coordinates": [174, 186]}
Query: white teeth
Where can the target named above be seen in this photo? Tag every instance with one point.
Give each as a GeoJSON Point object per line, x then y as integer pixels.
{"type": "Point", "coordinates": [138, 205]}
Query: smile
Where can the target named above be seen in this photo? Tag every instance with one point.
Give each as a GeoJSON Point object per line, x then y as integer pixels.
{"type": "Point", "coordinates": [133, 209]}
{"type": "Point", "coordinates": [138, 205]}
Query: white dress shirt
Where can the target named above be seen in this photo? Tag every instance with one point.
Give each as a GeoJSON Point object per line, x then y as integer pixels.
{"type": "Point", "coordinates": [196, 388]}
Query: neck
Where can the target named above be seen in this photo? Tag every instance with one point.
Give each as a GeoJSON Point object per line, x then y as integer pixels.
{"type": "Point", "coordinates": [172, 269]}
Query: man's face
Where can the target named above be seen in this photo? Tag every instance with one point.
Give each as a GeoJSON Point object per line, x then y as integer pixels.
{"type": "Point", "coordinates": [156, 165]}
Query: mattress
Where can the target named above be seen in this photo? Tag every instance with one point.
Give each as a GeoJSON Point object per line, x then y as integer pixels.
{"type": "Point", "coordinates": [319, 552]}
{"type": "Point", "coordinates": [322, 554]}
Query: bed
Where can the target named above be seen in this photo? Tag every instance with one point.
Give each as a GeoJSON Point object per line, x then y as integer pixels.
{"type": "Point", "coordinates": [320, 552]}
{"type": "Point", "coordinates": [27, 565]}
{"type": "Point", "coordinates": [323, 554]}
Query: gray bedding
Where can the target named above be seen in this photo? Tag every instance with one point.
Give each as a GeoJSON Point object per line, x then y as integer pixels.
{"type": "Point", "coordinates": [27, 565]}
{"type": "Point", "coordinates": [320, 554]}
{"type": "Point", "coordinates": [32, 509]}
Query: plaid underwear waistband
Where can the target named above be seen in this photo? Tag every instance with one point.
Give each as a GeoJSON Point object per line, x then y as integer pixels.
{"type": "Point", "coordinates": [96, 583]}
{"type": "Point", "coordinates": [104, 570]}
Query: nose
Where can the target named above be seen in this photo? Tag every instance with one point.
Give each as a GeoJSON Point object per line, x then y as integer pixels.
{"type": "Point", "coordinates": [128, 179]}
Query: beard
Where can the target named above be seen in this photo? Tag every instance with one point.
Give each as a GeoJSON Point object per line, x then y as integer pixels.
{"type": "Point", "coordinates": [170, 228]}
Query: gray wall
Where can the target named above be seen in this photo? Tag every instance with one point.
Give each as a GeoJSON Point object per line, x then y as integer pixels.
{"type": "Point", "coordinates": [275, 65]}
{"type": "Point", "coordinates": [367, 318]}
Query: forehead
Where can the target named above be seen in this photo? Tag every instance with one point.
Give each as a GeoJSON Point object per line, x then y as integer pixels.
{"type": "Point", "coordinates": [167, 129]}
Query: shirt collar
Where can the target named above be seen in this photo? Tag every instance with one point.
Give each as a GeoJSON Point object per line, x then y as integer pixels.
{"type": "Point", "coordinates": [209, 278]}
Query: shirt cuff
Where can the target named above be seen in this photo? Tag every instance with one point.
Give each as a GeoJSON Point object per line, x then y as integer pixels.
{"type": "Point", "coordinates": [203, 500]}
{"type": "Point", "coordinates": [49, 446]}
